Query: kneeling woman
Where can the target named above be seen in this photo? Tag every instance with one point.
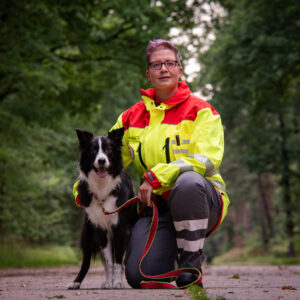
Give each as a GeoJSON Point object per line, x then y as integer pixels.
{"type": "Point", "coordinates": [176, 143]}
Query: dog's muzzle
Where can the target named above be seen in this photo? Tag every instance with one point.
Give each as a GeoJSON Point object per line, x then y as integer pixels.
{"type": "Point", "coordinates": [101, 172]}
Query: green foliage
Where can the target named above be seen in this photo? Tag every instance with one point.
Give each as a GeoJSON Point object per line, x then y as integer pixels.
{"type": "Point", "coordinates": [35, 189]}
{"type": "Point", "coordinates": [198, 293]}
{"type": "Point", "coordinates": [253, 67]}
{"type": "Point", "coordinates": [257, 255]}
{"type": "Point", "coordinates": [65, 65]}
{"type": "Point", "coordinates": [16, 255]}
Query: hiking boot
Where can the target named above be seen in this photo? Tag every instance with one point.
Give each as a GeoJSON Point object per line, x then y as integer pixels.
{"type": "Point", "coordinates": [187, 278]}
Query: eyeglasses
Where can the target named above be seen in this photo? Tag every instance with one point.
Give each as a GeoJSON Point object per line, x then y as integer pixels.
{"type": "Point", "coordinates": [157, 65]}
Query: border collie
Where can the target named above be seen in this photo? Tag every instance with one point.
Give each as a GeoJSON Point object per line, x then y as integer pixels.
{"type": "Point", "coordinates": [104, 185]}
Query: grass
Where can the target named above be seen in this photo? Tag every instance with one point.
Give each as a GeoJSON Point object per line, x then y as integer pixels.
{"type": "Point", "coordinates": [245, 256]}
{"type": "Point", "coordinates": [199, 293]}
{"type": "Point", "coordinates": [263, 260]}
{"type": "Point", "coordinates": [15, 255]}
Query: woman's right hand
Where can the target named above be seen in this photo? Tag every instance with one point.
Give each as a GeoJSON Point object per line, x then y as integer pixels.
{"type": "Point", "coordinates": [144, 193]}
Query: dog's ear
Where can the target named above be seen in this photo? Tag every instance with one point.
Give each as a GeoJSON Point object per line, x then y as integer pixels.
{"type": "Point", "coordinates": [116, 135]}
{"type": "Point", "coordinates": [84, 137]}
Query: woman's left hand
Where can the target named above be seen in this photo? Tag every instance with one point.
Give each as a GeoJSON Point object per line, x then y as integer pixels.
{"type": "Point", "coordinates": [145, 192]}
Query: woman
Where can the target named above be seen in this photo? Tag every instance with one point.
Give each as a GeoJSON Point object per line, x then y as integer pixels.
{"type": "Point", "coordinates": [176, 143]}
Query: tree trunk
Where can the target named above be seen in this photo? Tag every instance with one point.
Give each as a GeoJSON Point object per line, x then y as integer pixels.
{"type": "Point", "coordinates": [267, 200]}
{"type": "Point", "coordinates": [261, 210]}
{"type": "Point", "coordinates": [285, 184]}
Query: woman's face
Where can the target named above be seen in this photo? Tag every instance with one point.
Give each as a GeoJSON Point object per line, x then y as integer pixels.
{"type": "Point", "coordinates": [165, 78]}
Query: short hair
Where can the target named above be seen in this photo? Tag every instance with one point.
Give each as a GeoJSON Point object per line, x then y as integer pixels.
{"type": "Point", "coordinates": [164, 44]}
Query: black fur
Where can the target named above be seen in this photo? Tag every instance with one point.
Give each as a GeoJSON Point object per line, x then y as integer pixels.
{"type": "Point", "coordinates": [93, 236]}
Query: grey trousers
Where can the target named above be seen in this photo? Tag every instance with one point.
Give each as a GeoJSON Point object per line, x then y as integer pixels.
{"type": "Point", "coordinates": [191, 213]}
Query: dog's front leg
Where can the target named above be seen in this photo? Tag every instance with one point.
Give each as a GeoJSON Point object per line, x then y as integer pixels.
{"type": "Point", "coordinates": [117, 276]}
{"type": "Point", "coordinates": [107, 260]}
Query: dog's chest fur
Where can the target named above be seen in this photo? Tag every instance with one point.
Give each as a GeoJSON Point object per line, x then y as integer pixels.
{"type": "Point", "coordinates": [102, 199]}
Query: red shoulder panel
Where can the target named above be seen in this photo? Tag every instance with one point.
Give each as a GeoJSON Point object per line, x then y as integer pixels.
{"type": "Point", "coordinates": [136, 116]}
{"type": "Point", "coordinates": [187, 110]}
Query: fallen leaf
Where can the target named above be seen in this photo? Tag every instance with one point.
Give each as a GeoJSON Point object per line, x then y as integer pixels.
{"type": "Point", "coordinates": [236, 276]}
{"type": "Point", "coordinates": [288, 287]}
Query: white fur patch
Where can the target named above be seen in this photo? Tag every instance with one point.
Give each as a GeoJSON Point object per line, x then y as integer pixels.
{"type": "Point", "coordinates": [108, 264]}
{"type": "Point", "coordinates": [73, 286]}
{"type": "Point", "coordinates": [101, 155]}
{"type": "Point", "coordinates": [113, 270]}
{"type": "Point", "coordinates": [101, 187]}
{"type": "Point", "coordinates": [117, 276]}
{"type": "Point", "coordinates": [98, 218]}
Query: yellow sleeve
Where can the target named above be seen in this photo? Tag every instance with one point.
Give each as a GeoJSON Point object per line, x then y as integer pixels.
{"type": "Point", "coordinates": [75, 193]}
{"type": "Point", "coordinates": [204, 155]}
{"type": "Point", "coordinates": [126, 154]}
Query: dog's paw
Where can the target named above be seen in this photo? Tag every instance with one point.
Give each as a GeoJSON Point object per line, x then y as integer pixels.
{"type": "Point", "coordinates": [118, 285]}
{"type": "Point", "coordinates": [106, 285]}
{"type": "Point", "coordinates": [73, 286]}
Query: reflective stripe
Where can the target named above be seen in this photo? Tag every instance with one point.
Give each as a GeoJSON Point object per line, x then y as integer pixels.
{"type": "Point", "coordinates": [183, 167]}
{"type": "Point", "coordinates": [213, 172]}
{"type": "Point", "coordinates": [180, 151]}
{"type": "Point", "coordinates": [219, 185]}
{"type": "Point", "coordinates": [191, 225]}
{"type": "Point", "coordinates": [209, 173]}
{"type": "Point", "coordinates": [182, 142]}
{"type": "Point", "coordinates": [191, 246]}
{"type": "Point", "coordinates": [204, 160]}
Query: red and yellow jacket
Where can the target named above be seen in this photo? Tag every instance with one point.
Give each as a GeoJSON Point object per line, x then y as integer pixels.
{"type": "Point", "coordinates": [183, 133]}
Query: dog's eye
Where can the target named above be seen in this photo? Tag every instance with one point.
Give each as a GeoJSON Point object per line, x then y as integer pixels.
{"type": "Point", "coordinates": [108, 149]}
{"type": "Point", "coordinates": [94, 149]}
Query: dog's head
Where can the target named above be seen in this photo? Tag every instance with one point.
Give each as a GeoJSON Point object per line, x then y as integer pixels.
{"type": "Point", "coordinates": [101, 154]}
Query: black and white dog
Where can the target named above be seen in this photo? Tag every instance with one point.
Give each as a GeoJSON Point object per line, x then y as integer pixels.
{"type": "Point", "coordinates": [104, 185]}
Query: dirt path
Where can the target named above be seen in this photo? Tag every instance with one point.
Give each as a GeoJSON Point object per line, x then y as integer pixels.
{"type": "Point", "coordinates": [229, 282]}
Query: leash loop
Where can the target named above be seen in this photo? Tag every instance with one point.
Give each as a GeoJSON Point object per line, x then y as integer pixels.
{"type": "Point", "coordinates": [151, 235]}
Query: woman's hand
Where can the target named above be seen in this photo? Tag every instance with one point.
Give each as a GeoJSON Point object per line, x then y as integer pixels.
{"type": "Point", "coordinates": [145, 192]}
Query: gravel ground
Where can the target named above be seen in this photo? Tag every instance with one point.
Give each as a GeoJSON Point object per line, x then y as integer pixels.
{"type": "Point", "coordinates": [229, 282]}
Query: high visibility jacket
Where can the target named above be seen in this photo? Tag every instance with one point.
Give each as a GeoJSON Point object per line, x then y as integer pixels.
{"type": "Point", "coordinates": [165, 139]}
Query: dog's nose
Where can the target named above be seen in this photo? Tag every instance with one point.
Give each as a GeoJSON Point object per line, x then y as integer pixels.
{"type": "Point", "coordinates": [101, 161]}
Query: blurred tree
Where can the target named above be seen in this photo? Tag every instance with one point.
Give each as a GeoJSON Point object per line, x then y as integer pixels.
{"type": "Point", "coordinates": [65, 64]}
{"type": "Point", "coordinates": [253, 67]}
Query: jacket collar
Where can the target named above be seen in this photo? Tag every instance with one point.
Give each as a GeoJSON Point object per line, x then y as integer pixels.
{"type": "Point", "coordinates": [183, 92]}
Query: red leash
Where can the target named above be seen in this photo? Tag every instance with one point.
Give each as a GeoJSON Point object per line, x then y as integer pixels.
{"type": "Point", "coordinates": [154, 284]}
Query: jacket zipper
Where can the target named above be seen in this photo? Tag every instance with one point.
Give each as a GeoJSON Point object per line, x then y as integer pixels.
{"type": "Point", "coordinates": [167, 149]}
{"type": "Point", "coordinates": [140, 155]}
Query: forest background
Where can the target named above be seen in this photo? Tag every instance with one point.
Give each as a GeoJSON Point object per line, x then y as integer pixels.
{"type": "Point", "coordinates": [79, 64]}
